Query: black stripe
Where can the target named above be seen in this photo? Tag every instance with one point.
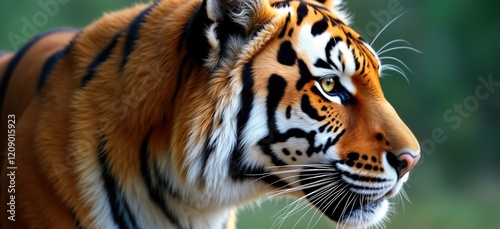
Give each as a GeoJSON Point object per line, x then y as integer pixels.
{"type": "Point", "coordinates": [276, 90]}
{"type": "Point", "coordinates": [320, 26]}
{"type": "Point", "coordinates": [336, 22]}
{"type": "Point", "coordinates": [341, 62]}
{"type": "Point", "coordinates": [247, 98]}
{"type": "Point", "coordinates": [302, 11]}
{"type": "Point", "coordinates": [317, 7]}
{"type": "Point", "coordinates": [238, 169]}
{"type": "Point", "coordinates": [357, 177]}
{"type": "Point", "coordinates": [120, 210]}
{"type": "Point", "coordinates": [208, 149]}
{"type": "Point", "coordinates": [297, 133]}
{"type": "Point", "coordinates": [133, 33]}
{"type": "Point", "coordinates": [151, 179]}
{"type": "Point", "coordinates": [99, 59]}
{"type": "Point", "coordinates": [322, 128]}
{"type": "Point", "coordinates": [322, 64]}
{"type": "Point", "coordinates": [357, 64]}
{"type": "Point", "coordinates": [305, 75]}
{"type": "Point", "coordinates": [283, 30]}
{"type": "Point", "coordinates": [77, 222]}
{"type": "Point", "coordinates": [363, 188]}
{"type": "Point", "coordinates": [328, 48]}
{"type": "Point", "coordinates": [288, 112]}
{"type": "Point", "coordinates": [286, 54]}
{"type": "Point", "coordinates": [50, 64]}
{"type": "Point", "coordinates": [330, 142]}
{"type": "Point", "coordinates": [195, 42]}
{"type": "Point", "coordinates": [307, 108]}
{"type": "Point", "coordinates": [11, 67]}
{"type": "Point", "coordinates": [194, 34]}
{"type": "Point", "coordinates": [246, 106]}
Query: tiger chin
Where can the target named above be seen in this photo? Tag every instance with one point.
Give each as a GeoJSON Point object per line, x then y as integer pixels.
{"type": "Point", "coordinates": [173, 114]}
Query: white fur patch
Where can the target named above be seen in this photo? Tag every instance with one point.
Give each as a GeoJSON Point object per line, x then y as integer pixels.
{"type": "Point", "coordinates": [91, 187]}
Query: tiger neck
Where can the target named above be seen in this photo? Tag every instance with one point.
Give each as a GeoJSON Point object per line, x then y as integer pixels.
{"type": "Point", "coordinates": [206, 146]}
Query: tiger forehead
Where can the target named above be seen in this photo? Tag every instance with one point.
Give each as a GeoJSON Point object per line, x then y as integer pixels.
{"type": "Point", "coordinates": [321, 20]}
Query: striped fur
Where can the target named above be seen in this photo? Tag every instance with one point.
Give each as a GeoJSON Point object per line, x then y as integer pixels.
{"type": "Point", "coordinates": [173, 114]}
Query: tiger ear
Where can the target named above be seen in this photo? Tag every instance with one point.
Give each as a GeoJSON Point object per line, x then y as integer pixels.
{"type": "Point", "coordinates": [242, 12]}
{"type": "Point", "coordinates": [337, 7]}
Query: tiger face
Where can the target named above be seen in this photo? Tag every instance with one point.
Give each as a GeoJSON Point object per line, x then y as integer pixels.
{"type": "Point", "coordinates": [314, 120]}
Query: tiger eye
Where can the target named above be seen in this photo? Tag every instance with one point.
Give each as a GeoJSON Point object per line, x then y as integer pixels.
{"type": "Point", "coordinates": [328, 84]}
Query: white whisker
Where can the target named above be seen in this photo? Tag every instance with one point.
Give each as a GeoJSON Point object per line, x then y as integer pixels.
{"type": "Point", "coordinates": [397, 60]}
{"type": "Point", "coordinates": [387, 25]}
{"type": "Point", "coordinates": [405, 195]}
{"type": "Point", "coordinates": [393, 42]}
{"type": "Point", "coordinates": [299, 166]}
{"type": "Point", "coordinates": [319, 201]}
{"type": "Point", "coordinates": [319, 215]}
{"type": "Point", "coordinates": [285, 212]}
{"type": "Point", "coordinates": [320, 192]}
{"type": "Point", "coordinates": [302, 187]}
{"type": "Point", "coordinates": [296, 202]}
{"type": "Point", "coordinates": [302, 170]}
{"type": "Point", "coordinates": [399, 48]}
{"type": "Point", "coordinates": [391, 67]}
{"type": "Point", "coordinates": [321, 175]}
{"type": "Point", "coordinates": [271, 173]}
{"type": "Point", "coordinates": [344, 211]}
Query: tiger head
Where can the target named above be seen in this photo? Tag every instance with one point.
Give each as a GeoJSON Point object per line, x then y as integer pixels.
{"type": "Point", "coordinates": [300, 110]}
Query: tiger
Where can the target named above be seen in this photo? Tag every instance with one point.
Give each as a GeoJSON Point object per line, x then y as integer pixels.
{"type": "Point", "coordinates": [174, 114]}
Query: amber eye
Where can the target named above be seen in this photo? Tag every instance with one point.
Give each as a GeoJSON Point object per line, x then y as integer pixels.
{"type": "Point", "coordinates": [328, 84]}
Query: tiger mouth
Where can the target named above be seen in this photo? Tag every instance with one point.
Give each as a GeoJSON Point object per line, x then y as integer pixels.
{"type": "Point", "coordinates": [339, 203]}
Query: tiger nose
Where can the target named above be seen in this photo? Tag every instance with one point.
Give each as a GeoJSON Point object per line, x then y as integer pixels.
{"type": "Point", "coordinates": [406, 163]}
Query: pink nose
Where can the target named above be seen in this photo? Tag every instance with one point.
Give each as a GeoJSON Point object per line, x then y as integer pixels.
{"type": "Point", "coordinates": [407, 162]}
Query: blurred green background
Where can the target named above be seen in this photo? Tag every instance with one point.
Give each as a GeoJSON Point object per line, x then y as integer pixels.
{"type": "Point", "coordinates": [457, 182]}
